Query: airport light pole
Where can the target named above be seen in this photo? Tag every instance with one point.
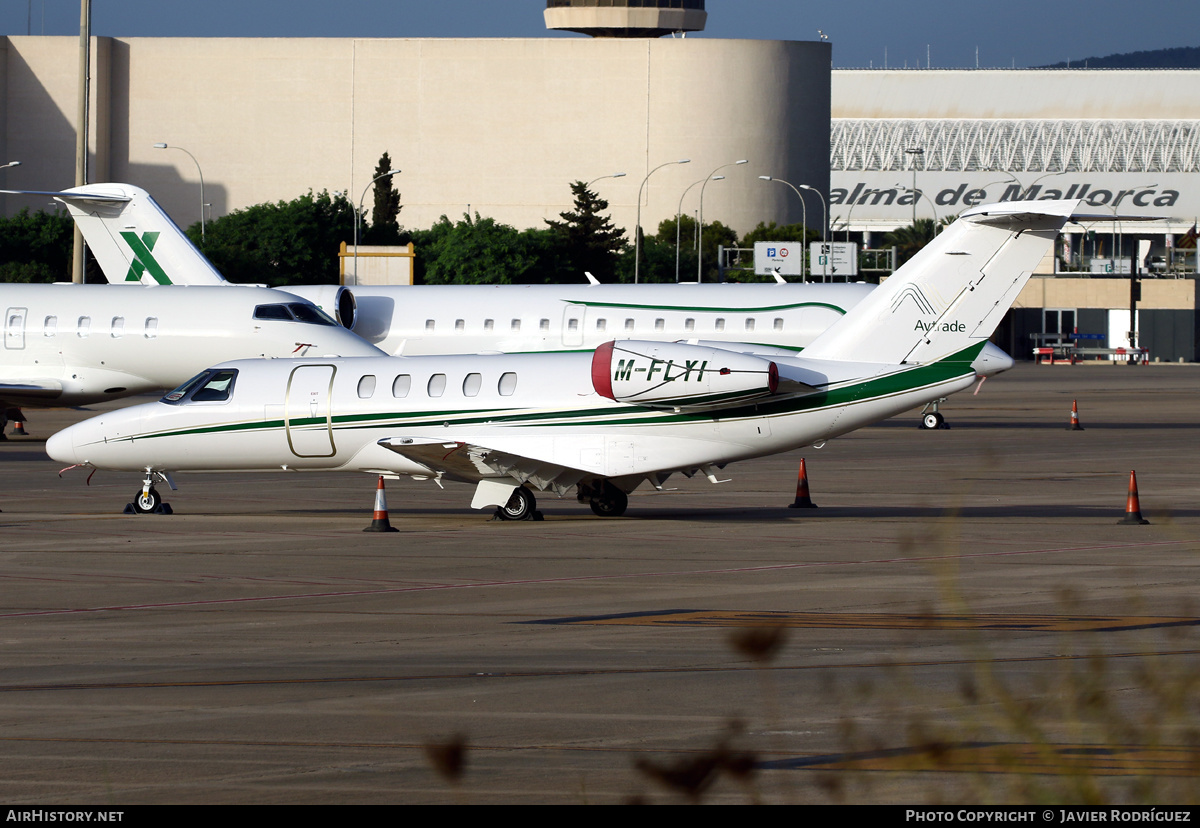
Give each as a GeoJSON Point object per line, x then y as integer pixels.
{"type": "Point", "coordinates": [637, 232]}
{"type": "Point", "coordinates": [679, 215]}
{"type": "Point", "coordinates": [824, 213]}
{"type": "Point", "coordinates": [914, 152]}
{"type": "Point", "coordinates": [201, 174]}
{"type": "Point", "coordinates": [358, 214]}
{"type": "Point", "coordinates": [803, 215]}
{"type": "Point", "coordinates": [700, 219]}
{"type": "Point", "coordinates": [601, 178]}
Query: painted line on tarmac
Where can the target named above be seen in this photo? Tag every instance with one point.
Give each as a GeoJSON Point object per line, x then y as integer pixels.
{"type": "Point", "coordinates": [876, 621]}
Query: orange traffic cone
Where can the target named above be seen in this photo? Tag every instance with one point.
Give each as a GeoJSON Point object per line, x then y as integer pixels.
{"type": "Point", "coordinates": [1075, 426]}
{"type": "Point", "coordinates": [380, 523]}
{"type": "Point", "coordinates": [19, 428]}
{"type": "Point", "coordinates": [1133, 509]}
{"type": "Point", "coordinates": [803, 501]}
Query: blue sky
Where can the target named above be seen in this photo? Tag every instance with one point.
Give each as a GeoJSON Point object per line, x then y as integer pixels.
{"type": "Point", "coordinates": [1006, 32]}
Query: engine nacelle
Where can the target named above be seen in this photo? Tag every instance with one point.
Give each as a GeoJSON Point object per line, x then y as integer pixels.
{"type": "Point", "coordinates": [680, 376]}
{"type": "Point", "coordinates": [335, 300]}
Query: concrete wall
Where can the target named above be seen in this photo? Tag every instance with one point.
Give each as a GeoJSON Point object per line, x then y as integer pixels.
{"type": "Point", "coordinates": [501, 125]}
{"type": "Point", "coordinates": [1017, 93]}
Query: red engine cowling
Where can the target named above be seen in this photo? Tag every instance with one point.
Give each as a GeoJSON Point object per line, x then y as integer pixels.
{"type": "Point", "coordinates": [679, 376]}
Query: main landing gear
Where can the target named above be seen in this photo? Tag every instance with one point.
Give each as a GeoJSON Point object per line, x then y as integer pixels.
{"type": "Point", "coordinates": [932, 418]}
{"type": "Point", "coordinates": [605, 499]}
{"type": "Point", "coordinates": [521, 506]}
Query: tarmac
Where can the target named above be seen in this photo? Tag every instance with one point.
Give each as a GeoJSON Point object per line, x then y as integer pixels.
{"type": "Point", "coordinates": [961, 620]}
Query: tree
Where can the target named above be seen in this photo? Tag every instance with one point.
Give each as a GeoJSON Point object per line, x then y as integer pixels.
{"type": "Point", "coordinates": [779, 233]}
{"type": "Point", "coordinates": [36, 247]}
{"type": "Point", "coordinates": [289, 242]}
{"type": "Point", "coordinates": [909, 240]}
{"type": "Point", "coordinates": [384, 229]}
{"type": "Point", "coordinates": [588, 238]}
{"type": "Point", "coordinates": [477, 251]}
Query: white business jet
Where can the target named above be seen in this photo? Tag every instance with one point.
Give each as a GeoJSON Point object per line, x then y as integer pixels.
{"type": "Point", "coordinates": [79, 344]}
{"type": "Point", "coordinates": [136, 242]}
{"type": "Point", "coordinates": [603, 421]}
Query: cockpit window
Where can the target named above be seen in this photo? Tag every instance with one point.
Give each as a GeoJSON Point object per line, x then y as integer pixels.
{"type": "Point", "coordinates": [214, 385]}
{"type": "Point", "coordinates": [294, 312]}
{"type": "Point", "coordinates": [273, 312]}
{"type": "Point", "coordinates": [311, 314]}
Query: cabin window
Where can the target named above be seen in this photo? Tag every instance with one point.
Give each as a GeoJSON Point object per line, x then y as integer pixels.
{"type": "Point", "coordinates": [659, 324]}
{"type": "Point", "coordinates": [84, 326]}
{"type": "Point", "coordinates": [430, 324]}
{"type": "Point", "coordinates": [401, 385]}
{"type": "Point", "coordinates": [489, 325]}
{"type": "Point", "coordinates": [118, 327]}
{"type": "Point", "coordinates": [544, 325]}
{"type": "Point", "coordinates": [572, 325]}
{"type": "Point", "coordinates": [750, 324]}
{"type": "Point", "coordinates": [472, 384]}
{"type": "Point", "coordinates": [151, 330]}
{"type": "Point", "coordinates": [508, 384]}
{"type": "Point", "coordinates": [689, 324]}
{"type": "Point", "coordinates": [50, 326]}
{"type": "Point", "coordinates": [629, 324]}
{"type": "Point", "coordinates": [437, 385]}
{"type": "Point", "coordinates": [779, 323]}
{"type": "Point", "coordinates": [720, 325]}
{"type": "Point", "coordinates": [366, 387]}
{"type": "Point", "coordinates": [516, 326]}
{"type": "Point", "coordinates": [601, 324]}
{"type": "Point", "coordinates": [459, 325]}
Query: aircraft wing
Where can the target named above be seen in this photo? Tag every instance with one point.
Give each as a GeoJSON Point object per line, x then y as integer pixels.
{"type": "Point", "coordinates": [29, 391]}
{"type": "Point", "coordinates": [470, 462]}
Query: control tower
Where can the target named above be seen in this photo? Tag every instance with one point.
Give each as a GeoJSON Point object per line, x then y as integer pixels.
{"type": "Point", "coordinates": [626, 18]}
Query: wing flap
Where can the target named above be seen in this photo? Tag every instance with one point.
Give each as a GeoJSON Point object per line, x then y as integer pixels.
{"type": "Point", "coordinates": [470, 462]}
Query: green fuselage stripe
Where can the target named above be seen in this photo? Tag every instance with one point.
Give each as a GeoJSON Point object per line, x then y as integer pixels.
{"type": "Point", "coordinates": [858, 391]}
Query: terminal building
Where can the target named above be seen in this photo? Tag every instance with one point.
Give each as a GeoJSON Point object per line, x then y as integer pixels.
{"type": "Point", "coordinates": [501, 127]}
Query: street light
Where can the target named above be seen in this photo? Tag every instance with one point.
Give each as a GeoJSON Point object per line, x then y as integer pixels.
{"type": "Point", "coordinates": [358, 213]}
{"type": "Point", "coordinates": [803, 215]}
{"type": "Point", "coordinates": [637, 233]}
{"type": "Point", "coordinates": [824, 213]}
{"type": "Point", "coordinates": [700, 219]}
{"type": "Point", "coordinates": [601, 178]}
{"type": "Point", "coordinates": [201, 174]}
{"type": "Point", "coordinates": [678, 216]}
{"type": "Point", "coordinates": [914, 152]}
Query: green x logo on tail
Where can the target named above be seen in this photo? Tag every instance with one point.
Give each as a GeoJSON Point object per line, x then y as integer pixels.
{"type": "Point", "coordinates": [142, 258]}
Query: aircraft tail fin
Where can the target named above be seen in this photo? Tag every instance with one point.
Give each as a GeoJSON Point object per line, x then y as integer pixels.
{"type": "Point", "coordinates": [132, 238]}
{"type": "Point", "coordinates": [954, 292]}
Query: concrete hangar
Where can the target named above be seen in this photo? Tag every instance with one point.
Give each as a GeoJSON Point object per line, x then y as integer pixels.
{"type": "Point", "coordinates": [501, 126]}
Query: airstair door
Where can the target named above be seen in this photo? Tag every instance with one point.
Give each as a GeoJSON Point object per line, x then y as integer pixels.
{"type": "Point", "coordinates": [307, 416]}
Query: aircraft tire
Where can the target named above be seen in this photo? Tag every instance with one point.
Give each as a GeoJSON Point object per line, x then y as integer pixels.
{"type": "Point", "coordinates": [612, 502]}
{"type": "Point", "coordinates": [520, 506]}
{"type": "Point", "coordinates": [148, 502]}
{"type": "Point", "coordinates": [931, 420]}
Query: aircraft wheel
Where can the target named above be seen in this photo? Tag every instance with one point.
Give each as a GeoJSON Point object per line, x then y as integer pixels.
{"type": "Point", "coordinates": [147, 502]}
{"type": "Point", "coordinates": [520, 506]}
{"type": "Point", "coordinates": [612, 502]}
{"type": "Point", "coordinates": [931, 420]}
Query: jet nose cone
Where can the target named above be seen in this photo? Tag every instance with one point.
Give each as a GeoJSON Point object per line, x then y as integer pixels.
{"type": "Point", "coordinates": [61, 447]}
{"type": "Point", "coordinates": [991, 361]}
